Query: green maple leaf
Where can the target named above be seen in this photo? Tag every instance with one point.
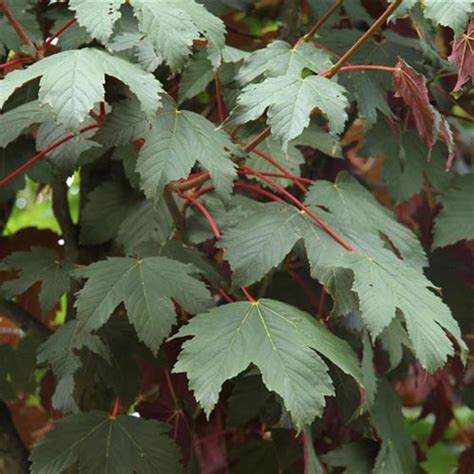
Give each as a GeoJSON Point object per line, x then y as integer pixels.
{"type": "Point", "coordinates": [145, 221]}
{"type": "Point", "coordinates": [14, 122]}
{"type": "Point", "coordinates": [347, 198]}
{"type": "Point", "coordinates": [100, 443]}
{"type": "Point", "coordinates": [356, 458]}
{"type": "Point", "coordinates": [125, 124]}
{"type": "Point", "coordinates": [279, 59]}
{"type": "Point", "coordinates": [146, 287]}
{"type": "Point", "coordinates": [455, 221]}
{"type": "Point", "coordinates": [370, 95]}
{"type": "Point", "coordinates": [177, 139]}
{"type": "Point", "coordinates": [290, 100]}
{"type": "Point", "coordinates": [72, 82]}
{"type": "Point", "coordinates": [40, 264]}
{"type": "Point", "coordinates": [406, 176]}
{"type": "Point", "coordinates": [384, 284]}
{"type": "Point", "coordinates": [453, 14]}
{"type": "Point", "coordinates": [279, 339]}
{"type": "Point", "coordinates": [61, 351]}
{"type": "Point", "coordinates": [173, 25]}
{"type": "Point", "coordinates": [397, 453]}
{"type": "Point", "coordinates": [66, 158]}
{"type": "Point", "coordinates": [107, 206]}
{"type": "Point", "coordinates": [98, 18]}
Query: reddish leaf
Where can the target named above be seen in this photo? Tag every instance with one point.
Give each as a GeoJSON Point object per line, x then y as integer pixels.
{"type": "Point", "coordinates": [411, 87]}
{"type": "Point", "coordinates": [463, 57]}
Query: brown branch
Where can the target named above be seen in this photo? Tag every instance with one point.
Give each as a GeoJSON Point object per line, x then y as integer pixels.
{"type": "Point", "coordinates": [23, 318]}
{"type": "Point", "coordinates": [17, 26]}
{"type": "Point", "coordinates": [322, 20]}
{"type": "Point", "coordinates": [363, 39]}
{"type": "Point", "coordinates": [178, 218]}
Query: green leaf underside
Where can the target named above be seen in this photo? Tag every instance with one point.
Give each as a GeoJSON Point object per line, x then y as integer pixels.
{"type": "Point", "coordinates": [40, 264]}
{"type": "Point", "coordinates": [280, 59]}
{"type": "Point", "coordinates": [279, 339]}
{"type": "Point", "coordinates": [146, 287]}
{"type": "Point", "coordinates": [72, 82]}
{"type": "Point", "coordinates": [97, 17]}
{"type": "Point", "coordinates": [105, 444]}
{"type": "Point", "coordinates": [173, 25]}
{"type": "Point", "coordinates": [380, 278]}
{"type": "Point", "coordinates": [290, 100]}
{"type": "Point", "coordinates": [177, 140]}
{"type": "Point", "coordinates": [454, 14]}
{"type": "Point", "coordinates": [14, 122]}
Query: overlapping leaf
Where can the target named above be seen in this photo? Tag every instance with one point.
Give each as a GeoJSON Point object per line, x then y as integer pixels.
{"type": "Point", "coordinates": [62, 352]}
{"type": "Point", "coordinates": [40, 264]}
{"type": "Point", "coordinates": [454, 14]}
{"type": "Point", "coordinates": [455, 222]}
{"type": "Point", "coordinates": [146, 287]}
{"type": "Point", "coordinates": [107, 207]}
{"type": "Point", "coordinates": [385, 284]}
{"type": "Point", "coordinates": [98, 443]}
{"type": "Point", "coordinates": [72, 82]}
{"type": "Point", "coordinates": [280, 59]}
{"type": "Point", "coordinates": [173, 25]}
{"type": "Point", "coordinates": [14, 122]}
{"type": "Point", "coordinates": [177, 140]}
{"type": "Point", "coordinates": [290, 101]}
{"type": "Point", "coordinates": [279, 339]}
{"type": "Point", "coordinates": [346, 197]}
{"type": "Point", "coordinates": [98, 17]}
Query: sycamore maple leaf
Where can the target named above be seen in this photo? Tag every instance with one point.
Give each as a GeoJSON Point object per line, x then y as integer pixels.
{"type": "Point", "coordinates": [463, 57]}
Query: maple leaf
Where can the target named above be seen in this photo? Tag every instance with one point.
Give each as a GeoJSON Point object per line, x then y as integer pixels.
{"type": "Point", "coordinates": [411, 87]}
{"type": "Point", "coordinates": [145, 287]}
{"type": "Point", "coordinates": [101, 443]}
{"type": "Point", "coordinates": [40, 264]}
{"type": "Point", "coordinates": [279, 339]}
{"type": "Point", "coordinates": [462, 57]}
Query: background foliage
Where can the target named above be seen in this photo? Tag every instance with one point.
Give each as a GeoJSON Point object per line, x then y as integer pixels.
{"type": "Point", "coordinates": [236, 236]}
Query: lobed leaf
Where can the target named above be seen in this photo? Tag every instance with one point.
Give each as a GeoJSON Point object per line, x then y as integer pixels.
{"type": "Point", "coordinates": [97, 442]}
{"type": "Point", "coordinates": [279, 339]}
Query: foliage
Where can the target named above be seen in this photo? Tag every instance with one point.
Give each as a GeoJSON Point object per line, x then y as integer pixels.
{"type": "Point", "coordinates": [244, 241]}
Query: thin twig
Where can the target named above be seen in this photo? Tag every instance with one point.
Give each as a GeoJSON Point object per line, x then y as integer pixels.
{"type": "Point", "coordinates": [220, 102]}
{"type": "Point", "coordinates": [20, 170]}
{"type": "Point", "coordinates": [176, 214]}
{"type": "Point", "coordinates": [58, 33]}
{"type": "Point", "coordinates": [339, 239]}
{"type": "Point", "coordinates": [17, 26]}
{"type": "Point", "coordinates": [207, 215]}
{"type": "Point", "coordinates": [321, 21]}
{"type": "Point", "coordinates": [363, 39]}
{"type": "Point", "coordinates": [14, 62]}
{"type": "Point", "coordinates": [248, 295]}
